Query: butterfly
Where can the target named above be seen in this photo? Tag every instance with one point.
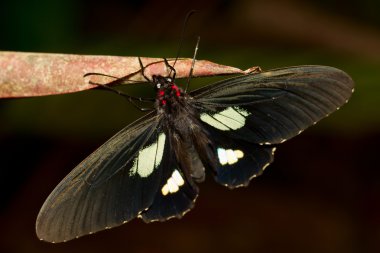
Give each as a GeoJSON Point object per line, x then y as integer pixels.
{"type": "Point", "coordinates": [151, 169]}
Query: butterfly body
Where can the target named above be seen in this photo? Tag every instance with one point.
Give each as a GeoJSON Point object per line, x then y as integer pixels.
{"type": "Point", "coordinates": [150, 169]}
{"type": "Point", "coordinates": [181, 123]}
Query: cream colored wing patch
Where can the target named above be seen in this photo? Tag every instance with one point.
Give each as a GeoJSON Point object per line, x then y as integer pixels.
{"type": "Point", "coordinates": [229, 156]}
{"type": "Point", "coordinates": [231, 118]}
{"type": "Point", "coordinates": [173, 184]}
{"type": "Point", "coordinates": [149, 158]}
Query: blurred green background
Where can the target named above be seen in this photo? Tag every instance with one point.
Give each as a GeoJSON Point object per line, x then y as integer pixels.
{"type": "Point", "coordinates": [322, 192]}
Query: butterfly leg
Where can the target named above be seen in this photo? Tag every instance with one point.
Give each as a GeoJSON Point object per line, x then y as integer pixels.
{"type": "Point", "coordinates": [100, 74]}
{"type": "Point", "coordinates": [171, 68]}
{"type": "Point", "coordinates": [117, 81]}
{"type": "Point", "coordinates": [143, 70]}
{"type": "Point", "coordinates": [130, 98]}
{"type": "Point", "coordinates": [166, 64]}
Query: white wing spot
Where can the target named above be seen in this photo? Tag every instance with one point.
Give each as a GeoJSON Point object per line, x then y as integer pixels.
{"type": "Point", "coordinates": [239, 154]}
{"type": "Point", "coordinates": [173, 183]}
{"type": "Point", "coordinates": [178, 178]}
{"type": "Point", "coordinates": [149, 158]}
{"type": "Point", "coordinates": [230, 118]}
{"type": "Point", "coordinates": [165, 190]}
{"type": "Point", "coordinates": [229, 156]}
{"type": "Point", "coordinates": [173, 187]}
{"type": "Point", "coordinates": [222, 156]}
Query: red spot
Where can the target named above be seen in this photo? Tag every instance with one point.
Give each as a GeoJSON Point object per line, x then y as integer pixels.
{"type": "Point", "coordinates": [178, 93]}
{"type": "Point", "coordinates": [161, 93]}
{"type": "Point", "coordinates": [163, 102]}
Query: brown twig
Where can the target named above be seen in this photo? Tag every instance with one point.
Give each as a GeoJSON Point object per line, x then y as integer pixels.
{"type": "Point", "coordinates": [39, 74]}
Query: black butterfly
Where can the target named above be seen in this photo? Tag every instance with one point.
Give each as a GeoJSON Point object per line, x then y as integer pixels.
{"type": "Point", "coordinates": [150, 169]}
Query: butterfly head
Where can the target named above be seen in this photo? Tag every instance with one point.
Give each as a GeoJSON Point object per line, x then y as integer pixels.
{"type": "Point", "coordinates": [167, 90]}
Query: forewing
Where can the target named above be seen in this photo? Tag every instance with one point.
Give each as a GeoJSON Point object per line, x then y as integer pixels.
{"type": "Point", "coordinates": [273, 106]}
{"type": "Point", "coordinates": [110, 187]}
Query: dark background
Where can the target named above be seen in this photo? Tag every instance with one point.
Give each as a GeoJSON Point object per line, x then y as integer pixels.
{"type": "Point", "coordinates": [320, 195]}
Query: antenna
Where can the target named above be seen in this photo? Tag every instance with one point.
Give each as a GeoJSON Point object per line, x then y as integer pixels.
{"type": "Point", "coordinates": [192, 64]}
{"type": "Point", "coordinates": [188, 15]}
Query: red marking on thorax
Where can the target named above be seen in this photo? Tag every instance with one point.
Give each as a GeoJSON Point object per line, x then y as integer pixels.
{"type": "Point", "coordinates": [178, 93]}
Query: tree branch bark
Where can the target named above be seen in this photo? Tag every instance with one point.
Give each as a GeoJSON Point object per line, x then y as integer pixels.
{"type": "Point", "coordinates": [39, 74]}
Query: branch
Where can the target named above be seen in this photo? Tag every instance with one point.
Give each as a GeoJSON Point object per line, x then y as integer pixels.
{"type": "Point", "coordinates": [39, 74]}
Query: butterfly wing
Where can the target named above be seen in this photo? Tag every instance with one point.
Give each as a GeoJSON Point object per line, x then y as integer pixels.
{"type": "Point", "coordinates": [111, 186]}
{"type": "Point", "coordinates": [254, 112]}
